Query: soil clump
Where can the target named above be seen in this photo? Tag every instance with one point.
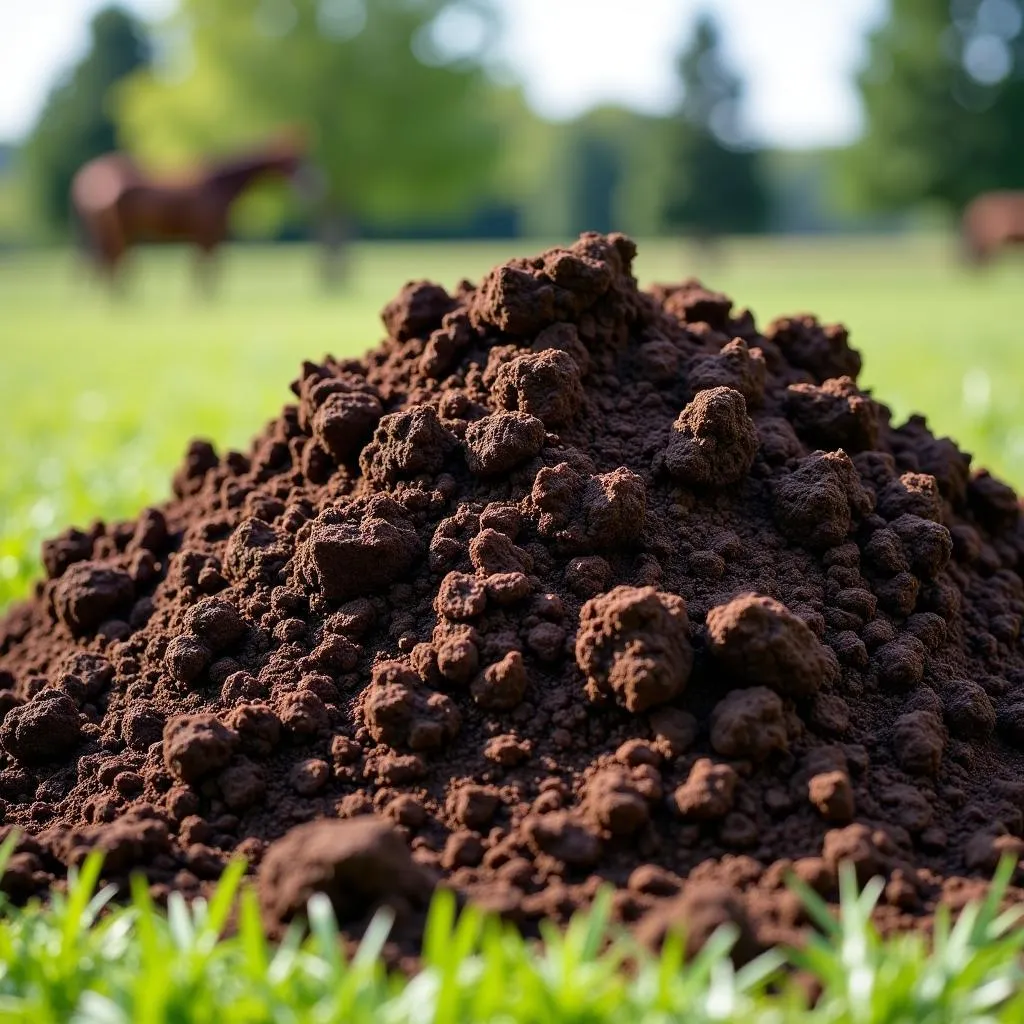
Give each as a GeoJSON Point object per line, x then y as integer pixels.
{"type": "Point", "coordinates": [565, 584]}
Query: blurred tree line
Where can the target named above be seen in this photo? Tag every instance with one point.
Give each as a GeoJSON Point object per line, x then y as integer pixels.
{"type": "Point", "coordinates": [943, 94]}
{"type": "Point", "coordinates": [77, 120]}
{"type": "Point", "coordinates": [412, 136]}
{"type": "Point", "coordinates": [409, 132]}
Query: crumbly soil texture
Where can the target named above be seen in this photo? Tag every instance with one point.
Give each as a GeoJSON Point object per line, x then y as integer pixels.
{"type": "Point", "coordinates": [566, 584]}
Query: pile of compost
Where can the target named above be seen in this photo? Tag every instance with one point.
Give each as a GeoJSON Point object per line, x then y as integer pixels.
{"type": "Point", "coordinates": [565, 584]}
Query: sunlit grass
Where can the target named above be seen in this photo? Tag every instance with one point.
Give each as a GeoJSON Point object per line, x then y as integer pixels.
{"type": "Point", "coordinates": [99, 397]}
{"type": "Point", "coordinates": [82, 958]}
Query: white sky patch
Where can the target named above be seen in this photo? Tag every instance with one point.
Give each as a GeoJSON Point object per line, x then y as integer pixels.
{"type": "Point", "coordinates": [38, 40]}
{"type": "Point", "coordinates": [797, 57]}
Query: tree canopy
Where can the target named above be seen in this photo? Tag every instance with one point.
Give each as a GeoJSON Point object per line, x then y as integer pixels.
{"type": "Point", "coordinates": [943, 94]}
{"type": "Point", "coordinates": [715, 185]}
{"type": "Point", "coordinates": [389, 93]}
{"type": "Point", "coordinates": [76, 123]}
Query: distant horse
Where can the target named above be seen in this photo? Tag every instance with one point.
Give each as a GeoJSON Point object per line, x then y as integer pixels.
{"type": "Point", "coordinates": [990, 222]}
{"type": "Point", "coordinates": [119, 206]}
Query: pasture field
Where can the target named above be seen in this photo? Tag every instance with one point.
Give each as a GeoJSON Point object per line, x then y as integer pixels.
{"type": "Point", "coordinates": [99, 395]}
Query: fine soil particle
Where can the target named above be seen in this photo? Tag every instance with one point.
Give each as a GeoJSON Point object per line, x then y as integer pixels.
{"type": "Point", "coordinates": [565, 584]}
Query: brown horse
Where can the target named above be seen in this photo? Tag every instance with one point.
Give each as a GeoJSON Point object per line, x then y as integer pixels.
{"type": "Point", "coordinates": [119, 206]}
{"type": "Point", "coordinates": [990, 222]}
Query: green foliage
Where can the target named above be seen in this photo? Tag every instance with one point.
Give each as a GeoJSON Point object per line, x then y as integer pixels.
{"type": "Point", "coordinates": [76, 123]}
{"type": "Point", "coordinates": [807, 195]}
{"type": "Point", "coordinates": [603, 171]}
{"type": "Point", "coordinates": [396, 114]}
{"type": "Point", "coordinates": [943, 94]}
{"type": "Point", "coordinates": [17, 222]}
{"type": "Point", "coordinates": [969, 971]}
{"type": "Point", "coordinates": [82, 958]}
{"type": "Point", "coordinates": [716, 187]}
{"type": "Point", "coordinates": [597, 174]}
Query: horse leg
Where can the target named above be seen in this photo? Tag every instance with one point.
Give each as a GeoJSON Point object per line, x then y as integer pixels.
{"type": "Point", "coordinates": [86, 242]}
{"type": "Point", "coordinates": [972, 250]}
{"type": "Point", "coordinates": [209, 232]}
{"type": "Point", "coordinates": [976, 240]}
{"type": "Point", "coordinates": [110, 248]}
{"type": "Point", "coordinates": [91, 241]}
{"type": "Point", "coordinates": [205, 268]}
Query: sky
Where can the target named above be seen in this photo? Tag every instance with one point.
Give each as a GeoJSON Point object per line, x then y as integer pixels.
{"type": "Point", "coordinates": [798, 57]}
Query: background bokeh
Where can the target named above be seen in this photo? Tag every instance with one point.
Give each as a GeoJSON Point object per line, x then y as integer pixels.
{"type": "Point", "coordinates": [799, 155]}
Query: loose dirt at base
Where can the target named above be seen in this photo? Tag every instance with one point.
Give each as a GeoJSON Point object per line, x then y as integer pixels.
{"type": "Point", "coordinates": [565, 584]}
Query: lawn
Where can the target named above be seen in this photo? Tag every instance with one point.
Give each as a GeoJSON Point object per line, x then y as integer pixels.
{"type": "Point", "coordinates": [98, 398]}
{"type": "Point", "coordinates": [79, 959]}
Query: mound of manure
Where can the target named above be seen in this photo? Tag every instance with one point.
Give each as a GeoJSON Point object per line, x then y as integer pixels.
{"type": "Point", "coordinates": [565, 584]}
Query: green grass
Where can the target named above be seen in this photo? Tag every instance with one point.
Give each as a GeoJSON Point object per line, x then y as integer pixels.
{"type": "Point", "coordinates": [81, 958]}
{"type": "Point", "coordinates": [98, 398]}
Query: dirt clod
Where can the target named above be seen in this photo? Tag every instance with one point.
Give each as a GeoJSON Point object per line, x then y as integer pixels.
{"type": "Point", "coordinates": [359, 865]}
{"type": "Point", "coordinates": [759, 640]}
{"type": "Point", "coordinates": [42, 730]}
{"type": "Point", "coordinates": [634, 644]}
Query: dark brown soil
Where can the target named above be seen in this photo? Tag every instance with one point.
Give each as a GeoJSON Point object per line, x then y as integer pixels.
{"type": "Point", "coordinates": [564, 584]}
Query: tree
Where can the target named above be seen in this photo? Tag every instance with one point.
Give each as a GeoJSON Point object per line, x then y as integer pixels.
{"type": "Point", "coordinates": [389, 92]}
{"type": "Point", "coordinates": [596, 174]}
{"type": "Point", "coordinates": [610, 171]}
{"type": "Point", "coordinates": [716, 185]}
{"type": "Point", "coordinates": [76, 123]}
{"type": "Point", "coordinates": [943, 95]}
{"type": "Point", "coordinates": [604, 170]}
